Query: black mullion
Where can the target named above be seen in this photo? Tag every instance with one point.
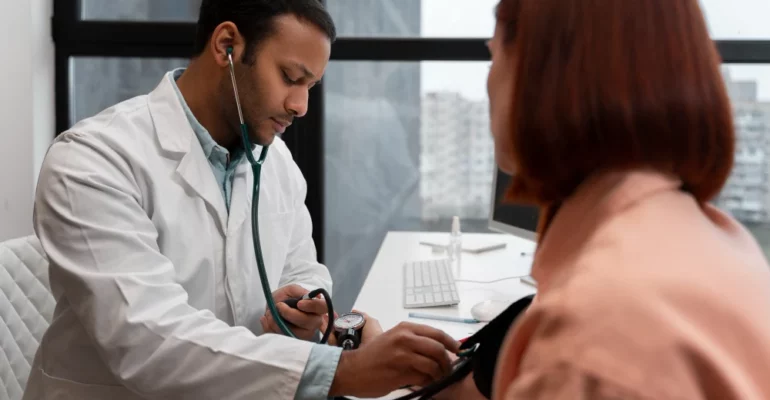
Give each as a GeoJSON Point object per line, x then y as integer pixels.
{"type": "Point", "coordinates": [100, 49]}
{"type": "Point", "coordinates": [732, 52]}
{"type": "Point", "coordinates": [410, 49]}
{"type": "Point", "coordinates": [744, 51]}
{"type": "Point", "coordinates": [62, 88]}
{"type": "Point", "coordinates": [119, 33]}
{"type": "Point", "coordinates": [305, 140]}
{"type": "Point", "coordinates": [66, 10]}
{"type": "Point", "coordinates": [311, 163]}
{"type": "Point", "coordinates": [149, 39]}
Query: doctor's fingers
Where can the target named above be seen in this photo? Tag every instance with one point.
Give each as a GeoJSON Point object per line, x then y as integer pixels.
{"type": "Point", "coordinates": [292, 291]}
{"type": "Point", "coordinates": [268, 325]}
{"type": "Point", "coordinates": [299, 318]}
{"type": "Point", "coordinates": [426, 349]}
{"type": "Point", "coordinates": [427, 332]}
{"type": "Point", "coordinates": [372, 327]}
{"type": "Point", "coordinates": [424, 370]}
{"type": "Point", "coordinates": [313, 306]}
{"type": "Point", "coordinates": [332, 340]}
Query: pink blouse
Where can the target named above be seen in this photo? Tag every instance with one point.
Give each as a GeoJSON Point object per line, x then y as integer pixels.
{"type": "Point", "coordinates": [643, 294]}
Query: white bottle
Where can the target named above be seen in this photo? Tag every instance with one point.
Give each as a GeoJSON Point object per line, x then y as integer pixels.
{"type": "Point", "coordinates": [455, 247]}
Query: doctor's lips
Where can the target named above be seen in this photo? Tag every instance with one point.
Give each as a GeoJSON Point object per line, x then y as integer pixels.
{"type": "Point", "coordinates": [280, 125]}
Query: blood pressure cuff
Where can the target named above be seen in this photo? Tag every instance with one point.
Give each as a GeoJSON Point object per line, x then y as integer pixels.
{"type": "Point", "coordinates": [490, 339]}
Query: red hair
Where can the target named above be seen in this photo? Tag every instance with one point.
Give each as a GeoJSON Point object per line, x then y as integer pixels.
{"type": "Point", "coordinates": [609, 85]}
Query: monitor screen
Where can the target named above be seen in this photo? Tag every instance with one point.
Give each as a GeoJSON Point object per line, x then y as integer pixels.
{"type": "Point", "coordinates": [510, 218]}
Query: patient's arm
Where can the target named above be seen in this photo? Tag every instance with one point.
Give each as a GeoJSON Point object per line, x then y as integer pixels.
{"type": "Point", "coordinates": [463, 390]}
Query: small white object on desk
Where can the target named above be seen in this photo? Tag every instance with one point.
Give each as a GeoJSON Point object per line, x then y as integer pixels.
{"type": "Point", "coordinates": [488, 310]}
{"type": "Point", "coordinates": [455, 248]}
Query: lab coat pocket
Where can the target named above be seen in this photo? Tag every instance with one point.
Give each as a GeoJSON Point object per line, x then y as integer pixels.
{"type": "Point", "coordinates": [274, 234]}
{"type": "Point", "coordinates": [275, 231]}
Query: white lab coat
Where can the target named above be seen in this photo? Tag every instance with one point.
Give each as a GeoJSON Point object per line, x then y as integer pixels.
{"type": "Point", "coordinates": [139, 240]}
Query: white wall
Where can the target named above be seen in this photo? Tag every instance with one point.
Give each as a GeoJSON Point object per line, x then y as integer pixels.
{"type": "Point", "coordinates": [26, 107]}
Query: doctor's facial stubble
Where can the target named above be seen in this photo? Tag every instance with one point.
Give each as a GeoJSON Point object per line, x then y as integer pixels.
{"type": "Point", "coordinates": [275, 78]}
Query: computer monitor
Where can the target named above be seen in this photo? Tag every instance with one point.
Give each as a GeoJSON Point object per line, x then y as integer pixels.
{"type": "Point", "coordinates": [518, 220]}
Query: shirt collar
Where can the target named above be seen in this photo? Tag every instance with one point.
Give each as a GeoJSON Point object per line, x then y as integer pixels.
{"type": "Point", "coordinates": [211, 149]}
{"type": "Point", "coordinates": [594, 204]}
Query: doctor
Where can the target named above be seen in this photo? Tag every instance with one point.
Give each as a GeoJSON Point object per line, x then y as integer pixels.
{"type": "Point", "coordinates": [143, 211]}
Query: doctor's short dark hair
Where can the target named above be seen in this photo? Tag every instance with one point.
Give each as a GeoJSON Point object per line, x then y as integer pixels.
{"type": "Point", "coordinates": [254, 19]}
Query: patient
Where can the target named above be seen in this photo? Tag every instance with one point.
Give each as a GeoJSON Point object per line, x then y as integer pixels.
{"type": "Point", "coordinates": [613, 117]}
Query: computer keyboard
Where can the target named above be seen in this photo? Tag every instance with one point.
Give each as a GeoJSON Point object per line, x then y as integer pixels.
{"type": "Point", "coordinates": [429, 283]}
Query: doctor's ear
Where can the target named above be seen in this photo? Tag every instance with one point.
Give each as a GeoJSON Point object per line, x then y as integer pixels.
{"type": "Point", "coordinates": [226, 40]}
{"type": "Point", "coordinates": [224, 51]}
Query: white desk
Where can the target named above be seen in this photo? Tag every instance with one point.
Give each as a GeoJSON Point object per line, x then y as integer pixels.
{"type": "Point", "coordinates": [382, 294]}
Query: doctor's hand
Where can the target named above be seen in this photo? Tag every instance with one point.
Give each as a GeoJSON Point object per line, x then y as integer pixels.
{"type": "Point", "coordinates": [304, 321]}
{"type": "Point", "coordinates": [409, 354]}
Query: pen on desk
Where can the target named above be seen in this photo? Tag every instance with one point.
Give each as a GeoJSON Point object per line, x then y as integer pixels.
{"type": "Point", "coordinates": [480, 250]}
{"type": "Point", "coordinates": [443, 318]}
{"type": "Point", "coordinates": [529, 280]}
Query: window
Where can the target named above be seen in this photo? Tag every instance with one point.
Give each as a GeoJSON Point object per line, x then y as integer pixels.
{"type": "Point", "coordinates": [414, 18]}
{"type": "Point", "coordinates": [383, 105]}
{"type": "Point", "coordinates": [737, 19]}
{"type": "Point", "coordinates": [397, 140]}
{"type": "Point", "coordinates": [100, 82]}
{"type": "Point", "coordinates": [140, 10]}
{"type": "Point", "coordinates": [746, 196]}
{"type": "Point", "coordinates": [382, 136]}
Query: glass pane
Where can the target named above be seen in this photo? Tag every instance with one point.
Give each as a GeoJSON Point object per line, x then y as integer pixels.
{"type": "Point", "coordinates": [737, 19]}
{"type": "Point", "coordinates": [413, 18]}
{"type": "Point", "coordinates": [407, 146]}
{"type": "Point", "coordinates": [141, 10]}
{"type": "Point", "coordinates": [99, 82]}
{"type": "Point", "coordinates": [747, 193]}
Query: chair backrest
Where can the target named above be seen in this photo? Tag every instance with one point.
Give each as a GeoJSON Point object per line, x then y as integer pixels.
{"type": "Point", "coordinates": [26, 309]}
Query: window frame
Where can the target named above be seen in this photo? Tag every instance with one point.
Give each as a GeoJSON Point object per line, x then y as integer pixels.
{"type": "Point", "coordinates": [75, 37]}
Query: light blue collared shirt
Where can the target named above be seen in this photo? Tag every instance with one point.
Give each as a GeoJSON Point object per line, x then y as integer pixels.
{"type": "Point", "coordinates": [219, 158]}
{"type": "Point", "coordinates": [316, 381]}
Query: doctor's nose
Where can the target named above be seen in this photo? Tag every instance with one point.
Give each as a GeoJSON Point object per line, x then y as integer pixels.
{"type": "Point", "coordinates": [296, 103]}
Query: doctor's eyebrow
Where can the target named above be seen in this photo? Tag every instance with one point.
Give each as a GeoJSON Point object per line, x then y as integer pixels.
{"type": "Point", "coordinates": [302, 68]}
{"type": "Point", "coordinates": [305, 72]}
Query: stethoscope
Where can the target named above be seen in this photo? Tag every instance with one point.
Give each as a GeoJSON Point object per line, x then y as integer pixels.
{"type": "Point", "coordinates": [256, 167]}
{"type": "Point", "coordinates": [347, 327]}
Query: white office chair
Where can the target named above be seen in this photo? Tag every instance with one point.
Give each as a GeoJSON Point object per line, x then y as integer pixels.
{"type": "Point", "coordinates": [26, 308]}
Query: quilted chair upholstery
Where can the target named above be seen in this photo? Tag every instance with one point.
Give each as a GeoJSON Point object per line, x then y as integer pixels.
{"type": "Point", "coordinates": [26, 309]}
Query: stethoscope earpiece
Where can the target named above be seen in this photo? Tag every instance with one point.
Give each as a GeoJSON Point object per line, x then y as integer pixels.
{"type": "Point", "coordinates": [229, 52]}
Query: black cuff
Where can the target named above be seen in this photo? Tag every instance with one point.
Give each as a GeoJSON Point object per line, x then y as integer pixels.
{"type": "Point", "coordinates": [490, 339]}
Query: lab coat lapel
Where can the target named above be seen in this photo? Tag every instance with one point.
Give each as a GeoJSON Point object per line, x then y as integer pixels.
{"type": "Point", "coordinates": [197, 175]}
{"type": "Point", "coordinates": [176, 137]}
